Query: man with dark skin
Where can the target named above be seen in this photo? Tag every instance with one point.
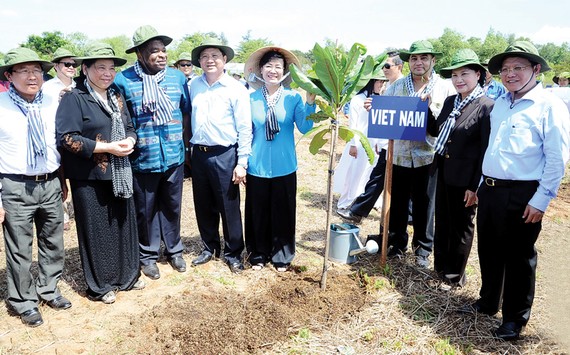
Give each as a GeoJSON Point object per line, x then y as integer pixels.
{"type": "Point", "coordinates": [158, 101]}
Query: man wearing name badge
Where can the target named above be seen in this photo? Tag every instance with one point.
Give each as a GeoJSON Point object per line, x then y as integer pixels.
{"type": "Point", "coordinates": [522, 170]}
{"type": "Point", "coordinates": [221, 145]}
{"type": "Point", "coordinates": [158, 101]}
{"type": "Point", "coordinates": [30, 188]}
{"type": "Point", "coordinates": [412, 159]}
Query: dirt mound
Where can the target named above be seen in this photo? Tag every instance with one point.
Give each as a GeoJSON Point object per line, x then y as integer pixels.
{"type": "Point", "coordinates": [258, 318]}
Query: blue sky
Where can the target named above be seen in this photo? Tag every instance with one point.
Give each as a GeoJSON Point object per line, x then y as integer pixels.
{"type": "Point", "coordinates": [293, 24]}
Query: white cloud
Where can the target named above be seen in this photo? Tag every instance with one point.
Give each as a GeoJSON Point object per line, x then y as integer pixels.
{"type": "Point", "coordinates": [551, 34]}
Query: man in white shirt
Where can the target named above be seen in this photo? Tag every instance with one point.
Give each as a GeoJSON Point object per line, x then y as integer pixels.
{"type": "Point", "coordinates": [31, 187]}
{"type": "Point", "coordinates": [522, 170]}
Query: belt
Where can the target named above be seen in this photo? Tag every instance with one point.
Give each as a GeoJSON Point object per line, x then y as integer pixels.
{"type": "Point", "coordinates": [212, 148]}
{"type": "Point", "coordinates": [36, 178]}
{"type": "Point", "coordinates": [492, 182]}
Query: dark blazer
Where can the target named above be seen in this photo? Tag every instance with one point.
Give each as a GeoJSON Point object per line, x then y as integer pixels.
{"type": "Point", "coordinates": [461, 163]}
{"type": "Point", "coordinates": [81, 122]}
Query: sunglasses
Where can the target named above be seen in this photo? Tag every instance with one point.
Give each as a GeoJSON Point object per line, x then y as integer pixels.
{"type": "Point", "coordinates": [69, 64]}
{"type": "Point", "coordinates": [388, 66]}
{"type": "Point", "coordinates": [185, 65]}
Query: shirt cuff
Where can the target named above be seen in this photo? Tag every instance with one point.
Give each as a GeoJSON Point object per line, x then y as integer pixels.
{"type": "Point", "coordinates": [242, 161]}
{"type": "Point", "coordinates": [540, 202]}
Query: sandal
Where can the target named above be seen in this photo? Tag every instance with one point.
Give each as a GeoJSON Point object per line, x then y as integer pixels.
{"type": "Point", "coordinates": [257, 266]}
{"type": "Point", "coordinates": [282, 268]}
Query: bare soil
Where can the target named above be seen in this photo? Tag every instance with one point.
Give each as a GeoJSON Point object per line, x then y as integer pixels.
{"type": "Point", "coordinates": [365, 309]}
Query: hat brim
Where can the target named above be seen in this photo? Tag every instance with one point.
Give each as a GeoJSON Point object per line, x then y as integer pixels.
{"type": "Point", "coordinates": [165, 39]}
{"type": "Point", "coordinates": [496, 62]}
{"type": "Point", "coordinates": [446, 72]}
{"type": "Point", "coordinates": [228, 52]}
{"type": "Point", "coordinates": [117, 60]}
{"type": "Point", "coordinates": [252, 65]}
{"type": "Point", "coordinates": [405, 55]}
{"type": "Point", "coordinates": [46, 66]}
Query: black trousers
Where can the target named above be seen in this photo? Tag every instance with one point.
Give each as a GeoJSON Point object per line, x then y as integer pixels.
{"type": "Point", "coordinates": [270, 207]}
{"type": "Point", "coordinates": [158, 203]}
{"type": "Point", "coordinates": [364, 203]}
{"type": "Point", "coordinates": [216, 195]}
{"type": "Point", "coordinates": [507, 255]}
{"type": "Point", "coordinates": [411, 183]}
{"type": "Point", "coordinates": [454, 229]}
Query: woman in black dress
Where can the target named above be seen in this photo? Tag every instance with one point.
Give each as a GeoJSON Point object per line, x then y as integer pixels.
{"type": "Point", "coordinates": [97, 135]}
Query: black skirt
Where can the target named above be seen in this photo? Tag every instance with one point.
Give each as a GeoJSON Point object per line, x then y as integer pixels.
{"type": "Point", "coordinates": [108, 238]}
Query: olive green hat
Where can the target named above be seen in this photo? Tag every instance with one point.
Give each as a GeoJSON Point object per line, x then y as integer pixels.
{"type": "Point", "coordinates": [101, 50]}
{"type": "Point", "coordinates": [22, 55]}
{"type": "Point", "coordinates": [144, 34]}
{"type": "Point", "coordinates": [564, 74]}
{"type": "Point", "coordinates": [419, 47]}
{"type": "Point", "coordinates": [211, 43]}
{"type": "Point", "coordinates": [61, 53]}
{"type": "Point", "coordinates": [184, 56]}
{"type": "Point", "coordinates": [523, 49]}
{"type": "Point", "coordinates": [462, 58]}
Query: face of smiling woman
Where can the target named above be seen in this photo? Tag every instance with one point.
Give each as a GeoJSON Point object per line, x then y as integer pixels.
{"type": "Point", "coordinates": [272, 72]}
{"type": "Point", "coordinates": [464, 80]}
{"type": "Point", "coordinates": [100, 74]}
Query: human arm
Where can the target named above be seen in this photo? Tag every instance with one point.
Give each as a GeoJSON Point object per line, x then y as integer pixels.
{"type": "Point", "coordinates": [243, 124]}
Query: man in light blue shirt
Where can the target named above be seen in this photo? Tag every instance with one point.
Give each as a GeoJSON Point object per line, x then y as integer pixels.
{"type": "Point", "coordinates": [522, 169]}
{"type": "Point", "coordinates": [221, 145]}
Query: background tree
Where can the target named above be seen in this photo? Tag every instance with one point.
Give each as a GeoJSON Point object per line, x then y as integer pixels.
{"type": "Point", "coordinates": [46, 43]}
{"type": "Point", "coordinates": [249, 45]}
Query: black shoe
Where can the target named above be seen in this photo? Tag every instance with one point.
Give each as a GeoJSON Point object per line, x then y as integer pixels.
{"type": "Point", "coordinates": [236, 267]}
{"type": "Point", "coordinates": [476, 308]}
{"type": "Point", "coordinates": [151, 271]}
{"type": "Point", "coordinates": [59, 303]}
{"type": "Point", "coordinates": [202, 258]}
{"type": "Point", "coordinates": [348, 215]}
{"type": "Point", "coordinates": [32, 318]}
{"type": "Point", "coordinates": [508, 331]}
{"type": "Point", "coordinates": [178, 263]}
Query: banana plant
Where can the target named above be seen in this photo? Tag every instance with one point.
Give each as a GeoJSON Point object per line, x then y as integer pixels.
{"type": "Point", "coordinates": [335, 77]}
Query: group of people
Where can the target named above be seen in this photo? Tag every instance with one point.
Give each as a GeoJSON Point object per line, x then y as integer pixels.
{"type": "Point", "coordinates": [498, 148]}
{"type": "Point", "coordinates": [123, 141]}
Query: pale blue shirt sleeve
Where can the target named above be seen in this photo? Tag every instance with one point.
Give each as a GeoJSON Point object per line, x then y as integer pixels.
{"type": "Point", "coordinates": [242, 116]}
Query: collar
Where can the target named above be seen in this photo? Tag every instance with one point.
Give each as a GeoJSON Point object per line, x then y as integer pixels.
{"type": "Point", "coordinates": [532, 95]}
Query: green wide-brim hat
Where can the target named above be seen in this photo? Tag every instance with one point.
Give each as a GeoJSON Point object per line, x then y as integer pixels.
{"type": "Point", "coordinates": [211, 43]}
{"type": "Point", "coordinates": [61, 53]}
{"type": "Point", "coordinates": [101, 50]}
{"type": "Point", "coordinates": [144, 34]}
{"type": "Point", "coordinates": [462, 58]}
{"type": "Point", "coordinates": [564, 74]}
{"type": "Point", "coordinates": [252, 65]}
{"type": "Point", "coordinates": [184, 56]}
{"type": "Point", "coordinates": [22, 55]}
{"type": "Point", "coordinates": [419, 47]}
{"type": "Point", "coordinates": [523, 49]}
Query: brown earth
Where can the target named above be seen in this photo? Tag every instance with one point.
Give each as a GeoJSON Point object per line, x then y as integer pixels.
{"type": "Point", "coordinates": [365, 309]}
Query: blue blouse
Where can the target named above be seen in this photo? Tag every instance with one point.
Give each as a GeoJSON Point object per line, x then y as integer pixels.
{"type": "Point", "coordinates": [277, 157]}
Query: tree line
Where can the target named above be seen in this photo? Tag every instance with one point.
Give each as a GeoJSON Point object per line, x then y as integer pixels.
{"type": "Point", "coordinates": [558, 56]}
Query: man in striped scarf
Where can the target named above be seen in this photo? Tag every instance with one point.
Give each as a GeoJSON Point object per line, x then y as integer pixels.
{"type": "Point", "coordinates": [159, 104]}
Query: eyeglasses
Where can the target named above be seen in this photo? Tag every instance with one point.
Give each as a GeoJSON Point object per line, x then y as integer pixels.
{"type": "Point", "coordinates": [388, 66]}
{"type": "Point", "coordinates": [185, 65]}
{"type": "Point", "coordinates": [515, 70]}
{"type": "Point", "coordinates": [26, 72]}
{"type": "Point", "coordinates": [69, 64]}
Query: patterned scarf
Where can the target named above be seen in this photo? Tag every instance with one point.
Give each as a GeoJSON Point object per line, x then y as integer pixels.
{"type": "Point", "coordinates": [120, 166]}
{"type": "Point", "coordinates": [154, 99]}
{"type": "Point", "coordinates": [36, 136]}
{"type": "Point", "coordinates": [410, 85]}
{"type": "Point", "coordinates": [271, 124]}
{"type": "Point", "coordinates": [449, 123]}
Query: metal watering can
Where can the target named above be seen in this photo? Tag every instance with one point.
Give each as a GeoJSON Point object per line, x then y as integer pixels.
{"type": "Point", "coordinates": [345, 244]}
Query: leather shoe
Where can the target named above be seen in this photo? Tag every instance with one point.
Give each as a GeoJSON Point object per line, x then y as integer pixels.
{"type": "Point", "coordinates": [59, 303]}
{"type": "Point", "coordinates": [151, 271]}
{"type": "Point", "coordinates": [236, 267]}
{"type": "Point", "coordinates": [202, 258]}
{"type": "Point", "coordinates": [476, 308]}
{"type": "Point", "coordinates": [508, 331]}
{"type": "Point", "coordinates": [348, 215]}
{"type": "Point", "coordinates": [178, 263]}
{"type": "Point", "coordinates": [32, 318]}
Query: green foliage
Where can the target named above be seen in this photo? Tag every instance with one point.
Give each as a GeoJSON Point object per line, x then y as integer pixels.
{"type": "Point", "coordinates": [47, 43]}
{"type": "Point", "coordinates": [443, 347]}
{"type": "Point", "coordinates": [249, 45]}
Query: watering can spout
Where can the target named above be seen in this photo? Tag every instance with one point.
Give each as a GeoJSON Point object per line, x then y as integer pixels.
{"type": "Point", "coordinates": [371, 248]}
